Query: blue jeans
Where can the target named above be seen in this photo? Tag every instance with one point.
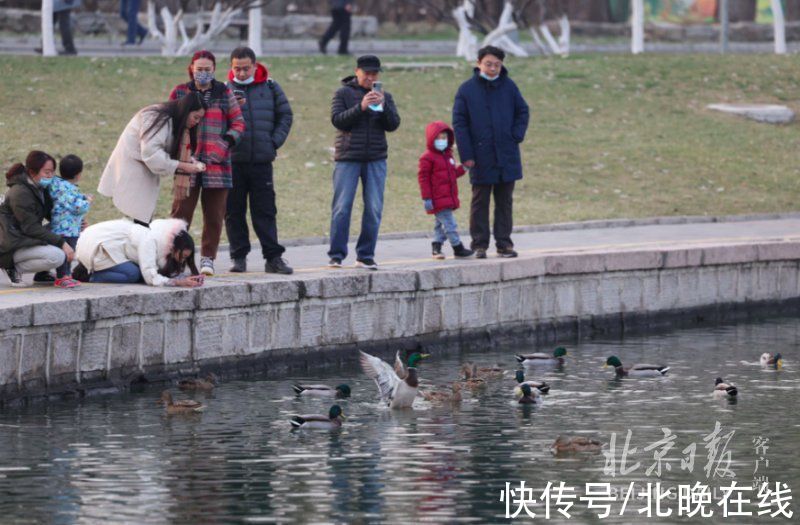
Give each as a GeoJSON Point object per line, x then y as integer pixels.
{"type": "Point", "coordinates": [124, 273]}
{"type": "Point", "coordinates": [446, 228]}
{"type": "Point", "coordinates": [345, 182]}
{"type": "Point", "coordinates": [129, 11]}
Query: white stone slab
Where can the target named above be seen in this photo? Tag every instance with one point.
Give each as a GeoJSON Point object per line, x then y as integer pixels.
{"type": "Point", "coordinates": [769, 113]}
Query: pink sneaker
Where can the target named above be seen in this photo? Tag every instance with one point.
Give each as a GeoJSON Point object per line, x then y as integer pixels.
{"type": "Point", "coordinates": [66, 282]}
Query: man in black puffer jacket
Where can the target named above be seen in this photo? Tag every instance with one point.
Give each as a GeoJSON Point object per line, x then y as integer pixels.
{"type": "Point", "coordinates": [268, 116]}
{"type": "Point", "coordinates": [362, 116]}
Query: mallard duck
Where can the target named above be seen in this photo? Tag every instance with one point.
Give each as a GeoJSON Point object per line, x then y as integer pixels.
{"type": "Point", "coordinates": [530, 396]}
{"type": "Point", "coordinates": [492, 372]}
{"type": "Point", "coordinates": [397, 385]}
{"type": "Point", "coordinates": [772, 361]}
{"type": "Point", "coordinates": [543, 359]}
{"type": "Point", "coordinates": [565, 444]}
{"type": "Point", "coordinates": [471, 379]}
{"type": "Point", "coordinates": [195, 383]}
{"type": "Point", "coordinates": [183, 406]}
{"type": "Point", "coordinates": [443, 396]}
{"type": "Point", "coordinates": [722, 389]}
{"type": "Point", "coordinates": [339, 392]}
{"type": "Point", "coordinates": [332, 421]}
{"type": "Point", "coordinates": [639, 370]}
{"type": "Point", "coordinates": [541, 386]}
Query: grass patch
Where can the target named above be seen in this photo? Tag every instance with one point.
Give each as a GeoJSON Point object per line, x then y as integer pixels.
{"type": "Point", "coordinates": [610, 136]}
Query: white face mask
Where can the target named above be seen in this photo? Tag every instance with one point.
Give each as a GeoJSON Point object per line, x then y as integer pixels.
{"type": "Point", "coordinates": [246, 81]}
{"type": "Point", "coordinates": [487, 77]}
{"type": "Point", "coordinates": [440, 144]}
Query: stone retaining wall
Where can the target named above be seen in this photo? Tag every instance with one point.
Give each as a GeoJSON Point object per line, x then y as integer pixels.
{"type": "Point", "coordinates": [122, 335]}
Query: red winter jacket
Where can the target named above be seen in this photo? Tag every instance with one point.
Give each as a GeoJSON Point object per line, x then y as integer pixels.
{"type": "Point", "coordinates": [438, 171]}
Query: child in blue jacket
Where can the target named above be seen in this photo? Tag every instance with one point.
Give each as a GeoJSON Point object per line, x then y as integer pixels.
{"type": "Point", "coordinates": [70, 206]}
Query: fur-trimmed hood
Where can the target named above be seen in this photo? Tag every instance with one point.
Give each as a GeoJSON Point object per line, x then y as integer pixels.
{"type": "Point", "coordinates": [164, 232]}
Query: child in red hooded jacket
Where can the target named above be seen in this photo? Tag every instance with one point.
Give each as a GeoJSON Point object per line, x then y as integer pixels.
{"type": "Point", "coordinates": [438, 184]}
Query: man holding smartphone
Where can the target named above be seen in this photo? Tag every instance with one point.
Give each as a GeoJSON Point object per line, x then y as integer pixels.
{"type": "Point", "coordinates": [268, 118]}
{"type": "Point", "coordinates": [362, 113]}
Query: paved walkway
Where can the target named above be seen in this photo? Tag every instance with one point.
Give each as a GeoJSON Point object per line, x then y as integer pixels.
{"type": "Point", "coordinates": [107, 47]}
{"type": "Point", "coordinates": [413, 253]}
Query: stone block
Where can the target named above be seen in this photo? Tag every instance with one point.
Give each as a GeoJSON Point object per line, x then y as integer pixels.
{"type": "Point", "coordinates": [162, 300]}
{"type": "Point", "coordinates": [386, 326]}
{"type": "Point", "coordinates": [59, 312]}
{"type": "Point", "coordinates": [94, 349]}
{"type": "Point", "coordinates": [432, 314]}
{"type": "Point", "coordinates": [480, 273]}
{"type": "Point", "coordinates": [113, 306]}
{"type": "Point", "coordinates": [178, 341]}
{"type": "Point", "coordinates": [13, 317]}
{"type": "Point", "coordinates": [575, 263]}
{"type": "Point", "coordinates": [33, 359]}
{"type": "Point", "coordinates": [393, 281]}
{"type": "Point", "coordinates": [588, 297]}
{"type": "Point", "coordinates": [63, 353]}
{"type": "Point", "coordinates": [490, 314]}
{"type": "Point", "coordinates": [682, 257]}
{"type": "Point", "coordinates": [438, 277]}
{"type": "Point", "coordinates": [311, 320]}
{"type": "Point", "coordinates": [471, 309]}
{"type": "Point", "coordinates": [688, 289]}
{"type": "Point", "coordinates": [779, 251]}
{"type": "Point", "coordinates": [609, 292]}
{"type": "Point", "coordinates": [667, 290]}
{"type": "Point", "coordinates": [633, 260]}
{"type": "Point", "coordinates": [565, 299]}
{"type": "Point", "coordinates": [630, 292]}
{"type": "Point", "coordinates": [409, 316]}
{"type": "Point", "coordinates": [263, 292]}
{"type": "Point", "coordinates": [310, 287]}
{"type": "Point", "coordinates": [152, 343]}
{"type": "Point", "coordinates": [125, 346]}
{"type": "Point", "coordinates": [337, 323]}
{"type": "Point", "coordinates": [768, 113]}
{"type": "Point", "coordinates": [748, 283]}
{"type": "Point", "coordinates": [214, 296]}
{"type": "Point", "coordinates": [649, 285]}
{"type": "Point", "coordinates": [235, 339]}
{"type": "Point", "coordinates": [209, 331]}
{"type": "Point", "coordinates": [733, 254]}
{"type": "Point", "coordinates": [286, 326]}
{"type": "Point", "coordinates": [362, 320]}
{"type": "Point", "coordinates": [510, 303]}
{"type": "Point", "coordinates": [768, 282]}
{"type": "Point", "coordinates": [348, 285]}
{"type": "Point", "coordinates": [262, 322]}
{"type": "Point", "coordinates": [787, 281]}
{"type": "Point", "coordinates": [526, 268]}
{"type": "Point", "coordinates": [9, 359]}
{"type": "Point", "coordinates": [451, 312]}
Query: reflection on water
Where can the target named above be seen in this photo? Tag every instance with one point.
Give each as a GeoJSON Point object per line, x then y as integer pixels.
{"type": "Point", "coordinates": [120, 460]}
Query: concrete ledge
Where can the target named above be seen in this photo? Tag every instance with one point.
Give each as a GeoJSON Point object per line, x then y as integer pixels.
{"type": "Point", "coordinates": [101, 337]}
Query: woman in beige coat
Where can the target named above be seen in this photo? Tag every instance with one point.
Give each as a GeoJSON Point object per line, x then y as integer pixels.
{"type": "Point", "coordinates": [157, 142]}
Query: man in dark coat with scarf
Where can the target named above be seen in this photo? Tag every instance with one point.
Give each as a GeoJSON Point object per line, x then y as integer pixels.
{"type": "Point", "coordinates": [268, 118]}
{"type": "Point", "coordinates": [490, 119]}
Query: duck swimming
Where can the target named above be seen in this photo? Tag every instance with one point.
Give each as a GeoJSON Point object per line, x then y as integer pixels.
{"type": "Point", "coordinates": [332, 421]}
{"type": "Point", "coordinates": [722, 389]}
{"type": "Point", "coordinates": [339, 392]}
{"type": "Point", "coordinates": [193, 383]}
{"type": "Point", "coordinates": [443, 396]}
{"type": "Point", "coordinates": [537, 359]}
{"type": "Point", "coordinates": [567, 444]}
{"type": "Point", "coordinates": [541, 386]}
{"type": "Point", "coordinates": [184, 406]}
{"type": "Point", "coordinates": [397, 385]}
{"type": "Point", "coordinates": [771, 361]}
{"type": "Point", "coordinates": [530, 396]}
{"type": "Point", "coordinates": [638, 370]}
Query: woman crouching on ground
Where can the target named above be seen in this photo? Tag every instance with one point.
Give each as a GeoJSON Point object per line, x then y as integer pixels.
{"type": "Point", "coordinates": [122, 251]}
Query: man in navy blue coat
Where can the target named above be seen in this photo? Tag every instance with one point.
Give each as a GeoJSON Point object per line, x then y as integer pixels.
{"type": "Point", "coordinates": [490, 119]}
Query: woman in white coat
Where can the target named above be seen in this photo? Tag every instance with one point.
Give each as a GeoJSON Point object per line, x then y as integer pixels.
{"type": "Point", "coordinates": [122, 251]}
{"type": "Point", "coordinates": [157, 142]}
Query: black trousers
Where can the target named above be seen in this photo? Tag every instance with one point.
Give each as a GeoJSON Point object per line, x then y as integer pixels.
{"type": "Point", "coordinates": [340, 23]}
{"type": "Point", "coordinates": [253, 181]}
{"type": "Point", "coordinates": [503, 215]}
{"type": "Point", "coordinates": [65, 26]}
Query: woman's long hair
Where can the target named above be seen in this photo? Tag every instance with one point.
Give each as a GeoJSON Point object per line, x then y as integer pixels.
{"type": "Point", "coordinates": [183, 241]}
{"type": "Point", "coordinates": [178, 112]}
{"type": "Point", "coordinates": [34, 163]}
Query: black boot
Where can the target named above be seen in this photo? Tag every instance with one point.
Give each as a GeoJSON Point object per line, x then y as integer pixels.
{"type": "Point", "coordinates": [460, 251]}
{"type": "Point", "coordinates": [239, 266]}
{"type": "Point", "coordinates": [436, 250]}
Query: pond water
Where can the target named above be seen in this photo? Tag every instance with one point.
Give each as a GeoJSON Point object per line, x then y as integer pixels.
{"type": "Point", "coordinates": [119, 459]}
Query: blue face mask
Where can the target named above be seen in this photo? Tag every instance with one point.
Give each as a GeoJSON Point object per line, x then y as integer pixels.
{"type": "Point", "coordinates": [487, 77]}
{"type": "Point", "coordinates": [440, 144]}
{"type": "Point", "coordinates": [204, 77]}
{"type": "Point", "coordinates": [43, 183]}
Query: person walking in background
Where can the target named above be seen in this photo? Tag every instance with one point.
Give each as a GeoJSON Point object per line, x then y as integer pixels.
{"type": "Point", "coordinates": [268, 120]}
{"type": "Point", "coordinates": [62, 15]}
{"type": "Point", "coordinates": [70, 206]}
{"type": "Point", "coordinates": [490, 119]}
{"type": "Point", "coordinates": [129, 11]}
{"type": "Point", "coordinates": [438, 184]}
{"type": "Point", "coordinates": [362, 113]}
{"type": "Point", "coordinates": [341, 14]}
{"type": "Point", "coordinates": [219, 131]}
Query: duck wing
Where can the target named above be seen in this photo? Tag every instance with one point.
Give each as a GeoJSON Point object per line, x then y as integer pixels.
{"type": "Point", "coordinates": [299, 389]}
{"type": "Point", "coordinates": [382, 373]}
{"type": "Point", "coordinates": [646, 367]}
{"type": "Point", "coordinates": [399, 368]}
{"type": "Point", "coordinates": [187, 403]}
{"type": "Point", "coordinates": [533, 357]}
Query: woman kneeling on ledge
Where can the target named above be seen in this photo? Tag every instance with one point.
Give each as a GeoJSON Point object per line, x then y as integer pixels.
{"type": "Point", "coordinates": [122, 251]}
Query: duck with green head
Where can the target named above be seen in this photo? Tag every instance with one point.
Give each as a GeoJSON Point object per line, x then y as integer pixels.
{"type": "Point", "coordinates": [723, 389]}
{"type": "Point", "coordinates": [530, 396]}
{"type": "Point", "coordinates": [541, 386]}
{"type": "Point", "coordinates": [770, 360]}
{"type": "Point", "coordinates": [638, 370]}
{"type": "Point", "coordinates": [541, 359]}
{"type": "Point", "coordinates": [340, 392]}
{"type": "Point", "coordinates": [332, 421]}
{"type": "Point", "coordinates": [398, 385]}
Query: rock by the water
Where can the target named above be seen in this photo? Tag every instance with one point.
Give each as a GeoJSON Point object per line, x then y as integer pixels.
{"type": "Point", "coordinates": [769, 113]}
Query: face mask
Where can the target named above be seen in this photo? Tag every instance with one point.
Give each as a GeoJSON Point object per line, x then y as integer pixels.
{"type": "Point", "coordinates": [204, 77]}
{"type": "Point", "coordinates": [487, 77]}
{"type": "Point", "coordinates": [440, 144]}
{"type": "Point", "coordinates": [246, 81]}
{"type": "Point", "coordinates": [43, 183]}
